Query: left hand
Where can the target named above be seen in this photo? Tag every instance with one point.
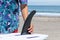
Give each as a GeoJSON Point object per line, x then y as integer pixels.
{"type": "Point", "coordinates": [30, 30]}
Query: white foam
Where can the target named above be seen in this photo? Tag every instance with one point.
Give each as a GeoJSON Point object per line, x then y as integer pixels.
{"type": "Point", "coordinates": [47, 14]}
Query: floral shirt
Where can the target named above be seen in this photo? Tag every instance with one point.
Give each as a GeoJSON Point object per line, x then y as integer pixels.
{"type": "Point", "coordinates": [9, 12]}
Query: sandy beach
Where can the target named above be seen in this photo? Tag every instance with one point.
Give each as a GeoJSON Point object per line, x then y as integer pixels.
{"type": "Point", "coordinates": [49, 25]}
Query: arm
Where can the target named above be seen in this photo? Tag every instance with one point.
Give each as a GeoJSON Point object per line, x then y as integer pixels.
{"type": "Point", "coordinates": [24, 10]}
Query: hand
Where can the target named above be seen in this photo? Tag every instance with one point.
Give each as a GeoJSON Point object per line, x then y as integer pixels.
{"type": "Point", "coordinates": [30, 30]}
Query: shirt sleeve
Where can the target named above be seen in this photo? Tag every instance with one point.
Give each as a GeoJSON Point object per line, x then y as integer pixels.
{"type": "Point", "coordinates": [23, 1]}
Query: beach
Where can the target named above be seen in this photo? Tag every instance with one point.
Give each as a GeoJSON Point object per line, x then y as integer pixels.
{"type": "Point", "coordinates": [44, 24]}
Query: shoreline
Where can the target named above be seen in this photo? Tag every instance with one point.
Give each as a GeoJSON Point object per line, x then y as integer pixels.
{"type": "Point", "coordinates": [45, 14]}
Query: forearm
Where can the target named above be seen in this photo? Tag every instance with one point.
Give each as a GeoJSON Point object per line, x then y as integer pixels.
{"type": "Point", "coordinates": [24, 10]}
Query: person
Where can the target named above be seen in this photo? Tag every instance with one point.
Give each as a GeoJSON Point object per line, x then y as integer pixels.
{"type": "Point", "coordinates": [9, 15]}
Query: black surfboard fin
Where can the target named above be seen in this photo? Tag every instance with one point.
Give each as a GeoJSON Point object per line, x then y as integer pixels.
{"type": "Point", "coordinates": [27, 23]}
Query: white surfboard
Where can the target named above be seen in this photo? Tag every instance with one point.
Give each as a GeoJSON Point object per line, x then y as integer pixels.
{"type": "Point", "coordinates": [17, 36]}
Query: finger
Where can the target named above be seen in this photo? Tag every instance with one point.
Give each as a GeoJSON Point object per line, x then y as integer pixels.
{"type": "Point", "coordinates": [30, 31]}
{"type": "Point", "coordinates": [30, 27]}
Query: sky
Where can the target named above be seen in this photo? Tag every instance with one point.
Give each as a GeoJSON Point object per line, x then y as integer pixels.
{"type": "Point", "coordinates": [43, 2]}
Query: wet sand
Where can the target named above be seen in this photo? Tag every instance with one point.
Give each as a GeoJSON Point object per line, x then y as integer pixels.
{"type": "Point", "coordinates": [45, 25]}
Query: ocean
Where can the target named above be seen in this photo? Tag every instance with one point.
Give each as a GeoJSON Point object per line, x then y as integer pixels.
{"type": "Point", "coordinates": [44, 9]}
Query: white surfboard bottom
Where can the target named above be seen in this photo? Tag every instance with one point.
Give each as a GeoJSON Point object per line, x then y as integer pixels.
{"type": "Point", "coordinates": [17, 36]}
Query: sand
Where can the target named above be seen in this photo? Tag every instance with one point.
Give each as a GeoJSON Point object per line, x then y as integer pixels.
{"type": "Point", "coordinates": [45, 25]}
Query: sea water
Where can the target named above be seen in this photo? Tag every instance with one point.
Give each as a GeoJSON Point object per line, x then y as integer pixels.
{"type": "Point", "coordinates": [46, 10]}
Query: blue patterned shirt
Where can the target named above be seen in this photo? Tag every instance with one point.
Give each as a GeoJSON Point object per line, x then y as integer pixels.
{"type": "Point", "coordinates": [9, 12]}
